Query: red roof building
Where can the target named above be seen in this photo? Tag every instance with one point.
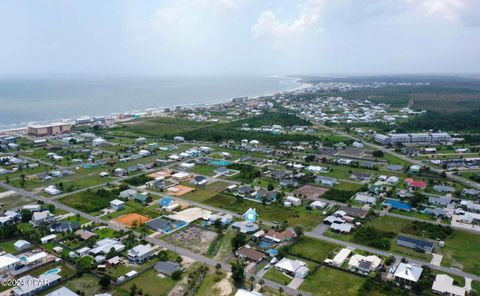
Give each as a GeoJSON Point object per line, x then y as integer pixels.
{"type": "Point", "coordinates": [416, 184]}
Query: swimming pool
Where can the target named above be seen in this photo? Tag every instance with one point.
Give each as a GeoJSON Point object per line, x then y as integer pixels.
{"type": "Point", "coordinates": [398, 205]}
{"type": "Point", "coordinates": [52, 271]}
{"type": "Point", "coordinates": [220, 162]}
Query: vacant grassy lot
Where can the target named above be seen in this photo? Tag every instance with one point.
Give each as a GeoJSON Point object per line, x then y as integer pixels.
{"type": "Point", "coordinates": [87, 201]}
{"type": "Point", "coordinates": [277, 276]}
{"type": "Point", "coordinates": [159, 127]}
{"type": "Point", "coordinates": [312, 249]}
{"type": "Point", "coordinates": [207, 192]}
{"type": "Point", "coordinates": [329, 281]}
{"type": "Point", "coordinates": [272, 212]}
{"type": "Point", "coordinates": [149, 282]}
{"type": "Point", "coordinates": [87, 283]}
{"type": "Point", "coordinates": [462, 251]}
{"type": "Point", "coordinates": [208, 286]}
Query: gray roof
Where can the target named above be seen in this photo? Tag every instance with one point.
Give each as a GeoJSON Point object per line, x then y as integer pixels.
{"type": "Point", "coordinates": [167, 267]}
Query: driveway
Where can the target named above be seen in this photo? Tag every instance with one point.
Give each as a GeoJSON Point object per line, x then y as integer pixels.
{"type": "Point", "coordinates": [436, 259]}
{"type": "Point", "coordinates": [295, 283]}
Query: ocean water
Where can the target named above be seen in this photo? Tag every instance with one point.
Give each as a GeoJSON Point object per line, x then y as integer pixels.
{"type": "Point", "coordinates": [26, 100]}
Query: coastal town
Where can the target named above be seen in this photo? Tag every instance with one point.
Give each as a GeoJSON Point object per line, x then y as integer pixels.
{"type": "Point", "coordinates": [291, 194]}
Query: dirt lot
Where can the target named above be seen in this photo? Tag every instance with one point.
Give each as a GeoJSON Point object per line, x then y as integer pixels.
{"type": "Point", "coordinates": [194, 238]}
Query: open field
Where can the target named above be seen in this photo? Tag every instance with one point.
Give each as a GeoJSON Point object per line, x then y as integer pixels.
{"type": "Point", "coordinates": [460, 250]}
{"type": "Point", "coordinates": [312, 249]}
{"type": "Point", "coordinates": [204, 193]}
{"type": "Point", "coordinates": [150, 283]}
{"type": "Point", "coordinates": [329, 281]}
{"type": "Point", "coordinates": [277, 276]}
{"type": "Point", "coordinates": [161, 127]}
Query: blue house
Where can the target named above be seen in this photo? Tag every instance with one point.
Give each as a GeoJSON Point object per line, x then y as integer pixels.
{"type": "Point", "coordinates": [165, 201]}
{"type": "Point", "coordinates": [250, 215]}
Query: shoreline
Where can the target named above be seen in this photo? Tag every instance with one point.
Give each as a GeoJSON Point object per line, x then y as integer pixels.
{"type": "Point", "coordinates": [21, 127]}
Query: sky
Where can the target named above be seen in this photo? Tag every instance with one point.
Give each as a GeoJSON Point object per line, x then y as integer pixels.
{"type": "Point", "coordinates": [238, 37]}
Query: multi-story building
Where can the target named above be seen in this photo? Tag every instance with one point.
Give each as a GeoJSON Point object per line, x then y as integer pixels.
{"type": "Point", "coordinates": [420, 138]}
{"type": "Point", "coordinates": [440, 137]}
{"type": "Point", "coordinates": [49, 129]}
{"type": "Point", "coordinates": [399, 138]}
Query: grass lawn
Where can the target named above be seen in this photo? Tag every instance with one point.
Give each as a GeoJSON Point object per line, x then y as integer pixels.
{"type": "Point", "coordinates": [122, 269]}
{"type": "Point", "coordinates": [105, 232]}
{"type": "Point", "coordinates": [272, 212]}
{"type": "Point", "coordinates": [277, 276]}
{"type": "Point", "coordinates": [222, 246]}
{"type": "Point", "coordinates": [460, 251]}
{"type": "Point", "coordinates": [87, 201]}
{"type": "Point", "coordinates": [329, 281]}
{"type": "Point", "coordinates": [389, 223]}
{"type": "Point", "coordinates": [87, 283]}
{"type": "Point", "coordinates": [207, 288]}
{"type": "Point", "coordinates": [65, 270]}
{"type": "Point", "coordinates": [209, 191]}
{"type": "Point", "coordinates": [8, 247]}
{"type": "Point", "coordinates": [149, 282]}
{"type": "Point", "coordinates": [312, 249]}
{"type": "Point", "coordinates": [348, 186]}
{"type": "Point", "coordinates": [15, 201]}
{"type": "Point", "coordinates": [206, 170]}
{"type": "Point", "coordinates": [414, 214]}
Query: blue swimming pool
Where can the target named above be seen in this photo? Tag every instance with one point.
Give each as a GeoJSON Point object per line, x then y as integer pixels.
{"type": "Point", "coordinates": [220, 162]}
{"type": "Point", "coordinates": [52, 271]}
{"type": "Point", "coordinates": [264, 244]}
{"type": "Point", "coordinates": [398, 205]}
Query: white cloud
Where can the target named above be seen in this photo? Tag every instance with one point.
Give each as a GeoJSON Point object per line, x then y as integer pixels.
{"type": "Point", "coordinates": [268, 24]}
{"type": "Point", "coordinates": [456, 11]}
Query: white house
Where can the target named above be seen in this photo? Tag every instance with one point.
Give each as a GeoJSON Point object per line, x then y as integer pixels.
{"type": "Point", "coordinates": [52, 190]}
{"type": "Point", "coordinates": [47, 238]}
{"type": "Point", "coordinates": [408, 273]}
{"type": "Point", "coordinates": [117, 205]}
{"type": "Point", "coordinates": [364, 264]}
{"type": "Point", "coordinates": [443, 285]}
{"type": "Point", "coordinates": [22, 245]}
{"type": "Point", "coordinates": [293, 200]}
{"type": "Point", "coordinates": [128, 194]}
{"type": "Point", "coordinates": [291, 267]}
{"type": "Point", "coordinates": [42, 217]}
{"type": "Point", "coordinates": [140, 253]}
{"type": "Point", "coordinates": [7, 262]}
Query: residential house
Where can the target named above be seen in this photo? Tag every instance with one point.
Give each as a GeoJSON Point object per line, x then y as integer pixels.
{"type": "Point", "coordinates": [117, 205]}
{"type": "Point", "coordinates": [21, 245]}
{"type": "Point", "coordinates": [291, 200]}
{"type": "Point", "coordinates": [444, 285]}
{"type": "Point", "coordinates": [326, 181]}
{"type": "Point", "coordinates": [168, 267]}
{"type": "Point", "coordinates": [415, 184]}
{"type": "Point", "coordinates": [141, 253]}
{"type": "Point", "coordinates": [364, 198]}
{"type": "Point", "coordinates": [443, 188]}
{"type": "Point", "coordinates": [250, 254]}
{"type": "Point", "coordinates": [358, 176]}
{"type": "Point", "coordinates": [407, 273]}
{"type": "Point", "coordinates": [128, 194]}
{"type": "Point", "coordinates": [309, 192]}
{"type": "Point", "coordinates": [364, 264]}
{"type": "Point", "coordinates": [294, 268]}
{"type": "Point", "coordinates": [414, 243]}
{"type": "Point", "coordinates": [42, 217]}
{"type": "Point", "coordinates": [199, 181]}
{"type": "Point", "coordinates": [279, 237]}
{"type": "Point", "coordinates": [64, 226]}
{"type": "Point", "coordinates": [245, 227]}
{"type": "Point", "coordinates": [85, 234]}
